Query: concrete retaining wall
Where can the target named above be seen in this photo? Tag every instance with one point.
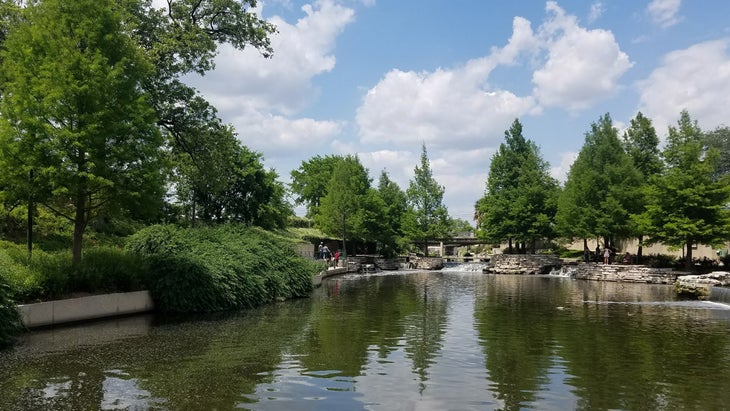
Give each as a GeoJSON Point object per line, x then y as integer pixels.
{"type": "Point", "coordinates": [84, 308]}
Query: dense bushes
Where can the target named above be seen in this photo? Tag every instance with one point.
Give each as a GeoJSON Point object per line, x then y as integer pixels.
{"type": "Point", "coordinates": [9, 319]}
{"type": "Point", "coordinates": [211, 269]}
{"type": "Point", "coordinates": [52, 275]}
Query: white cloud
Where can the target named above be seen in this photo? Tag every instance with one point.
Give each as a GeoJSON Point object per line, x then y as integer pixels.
{"type": "Point", "coordinates": [457, 108]}
{"type": "Point", "coordinates": [445, 108]}
{"type": "Point", "coordinates": [697, 79]}
{"type": "Point", "coordinates": [596, 11]}
{"type": "Point", "coordinates": [664, 12]}
{"type": "Point", "coordinates": [560, 171]}
{"type": "Point", "coordinates": [582, 67]}
{"type": "Point", "coordinates": [262, 97]}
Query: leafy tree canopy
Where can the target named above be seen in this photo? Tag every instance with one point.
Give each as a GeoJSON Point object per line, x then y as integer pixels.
{"type": "Point", "coordinates": [601, 190]}
{"type": "Point", "coordinates": [686, 204]}
{"type": "Point", "coordinates": [426, 217]}
{"type": "Point", "coordinates": [520, 199]}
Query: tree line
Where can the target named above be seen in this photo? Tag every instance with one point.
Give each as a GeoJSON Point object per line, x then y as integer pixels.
{"type": "Point", "coordinates": [98, 128]}
{"type": "Point", "coordinates": [338, 194]}
{"type": "Point", "coordinates": [617, 188]}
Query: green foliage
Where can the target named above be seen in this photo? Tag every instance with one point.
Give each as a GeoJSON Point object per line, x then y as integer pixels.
{"type": "Point", "coordinates": [222, 268]}
{"type": "Point", "coordinates": [52, 275]}
{"type": "Point", "coordinates": [426, 217]}
{"type": "Point", "coordinates": [78, 133]}
{"type": "Point", "coordinates": [601, 192]}
{"type": "Point", "coordinates": [719, 139]}
{"type": "Point", "coordinates": [686, 205]}
{"type": "Point", "coordinates": [310, 181]}
{"type": "Point", "coordinates": [393, 204]}
{"type": "Point", "coordinates": [344, 209]}
{"type": "Point", "coordinates": [659, 261]}
{"type": "Point", "coordinates": [9, 318]}
{"type": "Point", "coordinates": [521, 197]}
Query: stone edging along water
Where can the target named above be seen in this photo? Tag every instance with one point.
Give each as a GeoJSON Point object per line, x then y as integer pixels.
{"type": "Point", "coordinates": [70, 310]}
{"type": "Point", "coordinates": [84, 308]}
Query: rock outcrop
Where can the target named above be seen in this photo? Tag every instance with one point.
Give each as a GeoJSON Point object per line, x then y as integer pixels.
{"type": "Point", "coordinates": [701, 285]}
{"type": "Point", "coordinates": [523, 263]}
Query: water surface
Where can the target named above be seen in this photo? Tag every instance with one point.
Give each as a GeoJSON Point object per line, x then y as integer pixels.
{"type": "Point", "coordinates": [448, 340]}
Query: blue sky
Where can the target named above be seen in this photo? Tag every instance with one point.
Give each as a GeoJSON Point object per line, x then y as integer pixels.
{"type": "Point", "coordinates": [378, 78]}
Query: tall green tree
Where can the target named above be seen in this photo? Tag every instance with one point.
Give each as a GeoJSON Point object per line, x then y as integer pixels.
{"type": "Point", "coordinates": [394, 205]}
{"type": "Point", "coordinates": [180, 39]}
{"type": "Point", "coordinates": [74, 113]}
{"type": "Point", "coordinates": [720, 140]}
{"type": "Point", "coordinates": [426, 217]}
{"type": "Point", "coordinates": [341, 209]}
{"type": "Point", "coordinates": [641, 143]}
{"type": "Point", "coordinates": [310, 181]}
{"type": "Point", "coordinates": [521, 197]}
{"type": "Point", "coordinates": [687, 205]}
{"type": "Point", "coordinates": [601, 189]}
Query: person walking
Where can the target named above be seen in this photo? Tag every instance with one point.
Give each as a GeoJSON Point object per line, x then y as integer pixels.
{"type": "Point", "coordinates": [337, 258]}
{"type": "Point", "coordinates": [606, 255]}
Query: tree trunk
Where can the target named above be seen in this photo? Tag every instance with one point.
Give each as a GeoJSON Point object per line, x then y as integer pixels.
{"type": "Point", "coordinates": [29, 239]}
{"type": "Point", "coordinates": [510, 246]}
{"type": "Point", "coordinates": [31, 209]}
{"type": "Point", "coordinates": [688, 264]}
{"type": "Point", "coordinates": [79, 226]}
{"type": "Point", "coordinates": [344, 246]}
{"type": "Point", "coordinates": [639, 249]}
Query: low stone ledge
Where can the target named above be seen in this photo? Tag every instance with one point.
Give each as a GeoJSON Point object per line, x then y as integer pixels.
{"type": "Point", "coordinates": [84, 308]}
{"type": "Point", "coordinates": [523, 263]}
{"type": "Point", "coordinates": [426, 263]}
{"type": "Point", "coordinates": [701, 286]}
{"type": "Point", "coordinates": [625, 273]}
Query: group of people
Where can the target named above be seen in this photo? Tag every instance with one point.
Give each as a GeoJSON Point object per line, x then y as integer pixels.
{"type": "Point", "coordinates": [608, 254]}
{"type": "Point", "coordinates": [332, 259]}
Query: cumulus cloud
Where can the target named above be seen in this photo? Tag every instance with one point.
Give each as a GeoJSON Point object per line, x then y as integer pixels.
{"type": "Point", "coordinates": [442, 108]}
{"type": "Point", "coordinates": [458, 108]}
{"type": "Point", "coordinates": [264, 96]}
{"type": "Point", "coordinates": [665, 13]}
{"type": "Point", "coordinates": [697, 79]}
{"type": "Point", "coordinates": [582, 67]}
{"type": "Point", "coordinates": [447, 107]}
{"type": "Point", "coordinates": [560, 171]}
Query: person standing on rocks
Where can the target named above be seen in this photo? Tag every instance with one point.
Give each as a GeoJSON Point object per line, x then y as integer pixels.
{"type": "Point", "coordinates": [606, 255]}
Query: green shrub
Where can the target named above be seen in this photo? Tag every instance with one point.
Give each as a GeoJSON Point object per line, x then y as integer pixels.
{"type": "Point", "coordinates": [108, 269]}
{"type": "Point", "coordinates": [659, 261]}
{"type": "Point", "coordinates": [9, 318]}
{"type": "Point", "coordinates": [53, 271]}
{"type": "Point", "coordinates": [222, 268]}
{"type": "Point", "coordinates": [14, 270]}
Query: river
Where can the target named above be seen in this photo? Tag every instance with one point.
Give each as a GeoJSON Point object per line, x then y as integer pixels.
{"type": "Point", "coordinates": [406, 340]}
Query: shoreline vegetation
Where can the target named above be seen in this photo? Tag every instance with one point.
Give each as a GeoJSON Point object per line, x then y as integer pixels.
{"type": "Point", "coordinates": [186, 270]}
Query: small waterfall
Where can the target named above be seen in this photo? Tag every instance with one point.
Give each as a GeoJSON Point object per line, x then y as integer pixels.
{"type": "Point", "coordinates": [472, 267]}
{"type": "Point", "coordinates": [567, 271]}
{"type": "Point", "coordinates": [719, 295]}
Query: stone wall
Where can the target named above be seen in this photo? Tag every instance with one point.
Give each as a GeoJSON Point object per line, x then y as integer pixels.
{"type": "Point", "coordinates": [701, 285]}
{"type": "Point", "coordinates": [426, 263]}
{"type": "Point", "coordinates": [625, 273]}
{"type": "Point", "coordinates": [523, 263]}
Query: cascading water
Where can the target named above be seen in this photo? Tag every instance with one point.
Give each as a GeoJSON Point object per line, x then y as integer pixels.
{"type": "Point", "coordinates": [719, 295]}
{"type": "Point", "coordinates": [471, 267]}
{"type": "Point", "coordinates": [564, 271]}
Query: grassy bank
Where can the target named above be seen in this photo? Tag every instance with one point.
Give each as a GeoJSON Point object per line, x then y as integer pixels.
{"type": "Point", "coordinates": [186, 270]}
